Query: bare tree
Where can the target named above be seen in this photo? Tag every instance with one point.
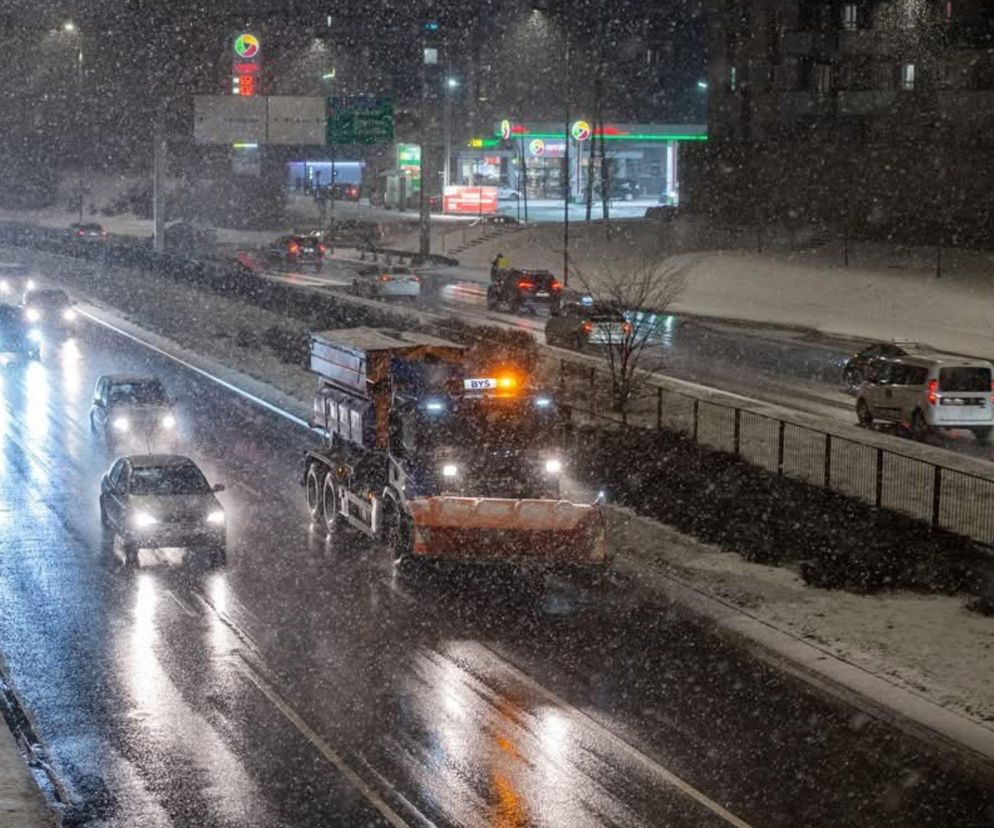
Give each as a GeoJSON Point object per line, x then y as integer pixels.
{"type": "Point", "coordinates": [630, 298]}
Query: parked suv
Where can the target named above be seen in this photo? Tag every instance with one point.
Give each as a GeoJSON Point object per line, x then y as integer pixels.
{"type": "Point", "coordinates": [927, 391]}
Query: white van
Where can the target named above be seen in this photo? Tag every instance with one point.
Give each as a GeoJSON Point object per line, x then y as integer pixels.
{"type": "Point", "coordinates": [928, 390]}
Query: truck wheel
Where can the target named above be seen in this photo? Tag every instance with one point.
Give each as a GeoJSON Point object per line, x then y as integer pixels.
{"type": "Point", "coordinates": [491, 299]}
{"type": "Point", "coordinates": [399, 537]}
{"type": "Point", "coordinates": [329, 503]}
{"type": "Point", "coordinates": [313, 486]}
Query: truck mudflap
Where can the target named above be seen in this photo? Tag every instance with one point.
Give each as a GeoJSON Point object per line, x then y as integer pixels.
{"type": "Point", "coordinates": [539, 531]}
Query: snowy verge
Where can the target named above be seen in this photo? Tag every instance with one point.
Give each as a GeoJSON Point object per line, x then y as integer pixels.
{"type": "Point", "coordinates": [925, 660]}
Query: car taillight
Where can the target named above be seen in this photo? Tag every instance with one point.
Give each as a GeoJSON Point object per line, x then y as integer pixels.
{"type": "Point", "coordinates": [293, 249]}
{"type": "Point", "coordinates": [524, 284]}
{"type": "Point", "coordinates": [416, 278]}
{"type": "Point", "coordinates": [555, 285]}
{"type": "Point", "coordinates": [933, 388]}
{"type": "Point", "coordinates": [587, 327]}
{"type": "Point", "coordinates": [322, 249]}
{"type": "Point", "coordinates": [80, 232]}
{"type": "Point", "coordinates": [385, 277]}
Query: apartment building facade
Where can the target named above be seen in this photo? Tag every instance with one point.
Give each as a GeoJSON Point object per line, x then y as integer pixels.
{"type": "Point", "coordinates": [871, 115]}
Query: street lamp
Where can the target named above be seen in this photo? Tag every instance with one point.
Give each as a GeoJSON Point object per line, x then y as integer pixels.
{"type": "Point", "coordinates": [451, 85]}
{"type": "Point", "coordinates": [70, 28]}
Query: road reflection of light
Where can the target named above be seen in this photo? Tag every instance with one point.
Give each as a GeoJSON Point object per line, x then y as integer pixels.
{"type": "Point", "coordinates": [553, 729]}
{"type": "Point", "coordinates": [219, 635]}
{"type": "Point", "coordinates": [36, 404]}
{"type": "Point", "coordinates": [174, 733]}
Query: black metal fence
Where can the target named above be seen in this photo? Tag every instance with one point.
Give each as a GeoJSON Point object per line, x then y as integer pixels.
{"type": "Point", "coordinates": [937, 495]}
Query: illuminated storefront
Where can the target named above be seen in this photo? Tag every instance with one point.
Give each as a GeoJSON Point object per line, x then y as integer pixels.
{"type": "Point", "coordinates": [642, 159]}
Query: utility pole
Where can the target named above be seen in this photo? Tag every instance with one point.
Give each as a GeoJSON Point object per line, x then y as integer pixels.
{"type": "Point", "coordinates": [566, 166]}
{"type": "Point", "coordinates": [158, 182]}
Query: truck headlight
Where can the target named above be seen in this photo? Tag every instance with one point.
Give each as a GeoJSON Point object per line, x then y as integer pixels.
{"type": "Point", "coordinates": [216, 517]}
{"type": "Point", "coordinates": [69, 315]}
{"type": "Point", "coordinates": [450, 470]}
{"type": "Point", "coordinates": [4, 286]}
{"type": "Point", "coordinates": [143, 520]}
{"type": "Point", "coordinates": [553, 466]}
{"type": "Point", "coordinates": [169, 421]}
{"type": "Point", "coordinates": [32, 315]}
{"type": "Point", "coordinates": [34, 335]}
{"type": "Point", "coordinates": [121, 424]}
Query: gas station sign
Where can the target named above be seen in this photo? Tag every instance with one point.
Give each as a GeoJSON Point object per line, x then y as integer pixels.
{"type": "Point", "coordinates": [471, 200]}
{"type": "Point", "coordinates": [246, 65]}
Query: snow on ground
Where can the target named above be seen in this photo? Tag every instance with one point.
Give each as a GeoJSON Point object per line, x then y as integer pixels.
{"type": "Point", "coordinates": [930, 645]}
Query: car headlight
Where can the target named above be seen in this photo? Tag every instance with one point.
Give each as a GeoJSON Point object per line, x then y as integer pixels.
{"type": "Point", "coordinates": [216, 517]}
{"type": "Point", "coordinates": [169, 421]}
{"type": "Point", "coordinates": [69, 315]}
{"type": "Point", "coordinates": [4, 286]}
{"type": "Point", "coordinates": [143, 520]}
{"type": "Point", "coordinates": [121, 424]}
{"type": "Point", "coordinates": [32, 315]}
{"type": "Point", "coordinates": [34, 335]}
{"type": "Point", "coordinates": [553, 466]}
{"type": "Point", "coordinates": [450, 470]}
{"type": "Point", "coordinates": [30, 284]}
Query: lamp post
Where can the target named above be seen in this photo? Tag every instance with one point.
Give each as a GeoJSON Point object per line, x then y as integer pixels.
{"type": "Point", "coordinates": [70, 28]}
{"type": "Point", "coordinates": [451, 85]}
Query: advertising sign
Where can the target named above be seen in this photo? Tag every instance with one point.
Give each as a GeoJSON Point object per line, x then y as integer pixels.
{"type": "Point", "coordinates": [472, 200]}
{"type": "Point", "coordinates": [546, 148]}
{"type": "Point", "coordinates": [246, 65]}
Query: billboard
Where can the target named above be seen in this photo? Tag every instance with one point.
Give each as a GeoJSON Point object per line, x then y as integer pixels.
{"type": "Point", "coordinates": [236, 119]}
{"type": "Point", "coordinates": [229, 119]}
{"type": "Point", "coordinates": [471, 200]}
{"type": "Point", "coordinates": [297, 121]}
{"type": "Point", "coordinates": [360, 119]}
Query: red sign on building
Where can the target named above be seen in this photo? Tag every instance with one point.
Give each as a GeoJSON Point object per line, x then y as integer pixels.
{"type": "Point", "coordinates": [474, 200]}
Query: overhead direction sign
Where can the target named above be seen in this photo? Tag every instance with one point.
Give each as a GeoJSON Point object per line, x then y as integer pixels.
{"type": "Point", "coordinates": [360, 119]}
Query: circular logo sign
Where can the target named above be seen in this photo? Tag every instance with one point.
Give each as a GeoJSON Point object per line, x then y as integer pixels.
{"type": "Point", "coordinates": [505, 129]}
{"type": "Point", "coordinates": [246, 46]}
{"type": "Point", "coordinates": [537, 146]}
{"type": "Point", "coordinates": [580, 131]}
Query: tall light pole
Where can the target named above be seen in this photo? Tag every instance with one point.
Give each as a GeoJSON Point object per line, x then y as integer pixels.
{"type": "Point", "coordinates": [451, 85]}
{"type": "Point", "coordinates": [70, 28]}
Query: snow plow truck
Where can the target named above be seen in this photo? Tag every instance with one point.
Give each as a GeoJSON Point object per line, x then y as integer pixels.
{"type": "Point", "coordinates": [438, 459]}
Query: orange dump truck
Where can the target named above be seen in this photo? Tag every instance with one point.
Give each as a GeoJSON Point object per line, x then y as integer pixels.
{"type": "Point", "coordinates": [440, 461]}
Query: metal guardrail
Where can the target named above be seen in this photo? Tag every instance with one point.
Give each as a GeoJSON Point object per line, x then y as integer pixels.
{"type": "Point", "coordinates": [939, 496]}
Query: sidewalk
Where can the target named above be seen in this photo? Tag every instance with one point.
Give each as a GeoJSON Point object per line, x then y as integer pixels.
{"type": "Point", "coordinates": [925, 662]}
{"type": "Point", "coordinates": [21, 802]}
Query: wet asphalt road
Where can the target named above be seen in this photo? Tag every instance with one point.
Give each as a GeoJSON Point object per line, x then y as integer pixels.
{"type": "Point", "coordinates": [306, 684]}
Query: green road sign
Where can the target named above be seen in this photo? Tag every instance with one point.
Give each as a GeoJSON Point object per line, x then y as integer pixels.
{"type": "Point", "coordinates": [360, 119]}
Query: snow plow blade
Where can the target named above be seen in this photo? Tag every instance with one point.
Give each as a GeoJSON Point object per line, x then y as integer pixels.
{"type": "Point", "coordinates": [496, 529]}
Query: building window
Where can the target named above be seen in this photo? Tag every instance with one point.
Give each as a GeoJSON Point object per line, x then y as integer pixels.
{"type": "Point", "coordinates": [823, 78]}
{"type": "Point", "coordinates": [908, 77]}
{"type": "Point", "coordinates": [733, 80]}
{"type": "Point", "coordinates": [849, 17]}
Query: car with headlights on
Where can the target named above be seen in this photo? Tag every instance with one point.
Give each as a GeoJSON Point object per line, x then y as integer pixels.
{"type": "Point", "coordinates": [152, 501]}
{"type": "Point", "coordinates": [49, 308]}
{"type": "Point", "coordinates": [133, 408]}
{"type": "Point", "coordinates": [387, 282]}
{"type": "Point", "coordinates": [19, 341]}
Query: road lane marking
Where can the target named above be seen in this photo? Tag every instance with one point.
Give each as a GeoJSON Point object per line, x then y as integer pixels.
{"type": "Point", "coordinates": [374, 799]}
{"type": "Point", "coordinates": [663, 773]}
{"type": "Point", "coordinates": [275, 409]}
{"type": "Point", "coordinates": [180, 603]}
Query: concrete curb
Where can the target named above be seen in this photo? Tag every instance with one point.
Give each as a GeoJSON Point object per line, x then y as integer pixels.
{"type": "Point", "coordinates": [21, 802]}
{"type": "Point", "coordinates": [967, 740]}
